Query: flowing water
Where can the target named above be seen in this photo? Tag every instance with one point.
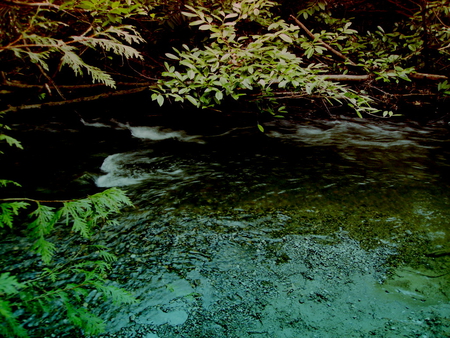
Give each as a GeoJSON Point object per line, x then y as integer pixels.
{"type": "Point", "coordinates": [334, 228]}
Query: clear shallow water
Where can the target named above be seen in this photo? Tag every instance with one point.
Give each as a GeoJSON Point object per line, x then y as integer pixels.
{"type": "Point", "coordinates": [284, 234]}
{"type": "Point", "coordinates": [376, 180]}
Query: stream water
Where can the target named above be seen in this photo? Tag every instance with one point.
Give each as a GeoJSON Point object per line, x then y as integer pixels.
{"type": "Point", "coordinates": [330, 228]}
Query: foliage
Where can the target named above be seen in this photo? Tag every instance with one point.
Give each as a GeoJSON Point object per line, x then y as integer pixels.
{"type": "Point", "coordinates": [260, 65]}
{"type": "Point", "coordinates": [393, 53]}
{"type": "Point", "coordinates": [50, 288]}
{"type": "Point", "coordinates": [240, 49]}
{"type": "Point", "coordinates": [33, 35]}
{"type": "Point", "coordinates": [282, 60]}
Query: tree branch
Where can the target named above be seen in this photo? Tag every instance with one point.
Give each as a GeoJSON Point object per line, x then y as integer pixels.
{"type": "Point", "coordinates": [13, 199]}
{"type": "Point", "coordinates": [18, 84]}
{"type": "Point", "coordinates": [327, 46]}
{"type": "Point", "coordinates": [77, 100]}
{"type": "Point", "coordinates": [35, 4]}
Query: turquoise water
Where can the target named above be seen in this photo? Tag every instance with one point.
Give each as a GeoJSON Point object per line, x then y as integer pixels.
{"type": "Point", "coordinates": [314, 228]}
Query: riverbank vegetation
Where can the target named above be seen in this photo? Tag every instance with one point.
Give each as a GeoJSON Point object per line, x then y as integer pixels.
{"type": "Point", "coordinates": [361, 57]}
{"type": "Point", "coordinates": [353, 55]}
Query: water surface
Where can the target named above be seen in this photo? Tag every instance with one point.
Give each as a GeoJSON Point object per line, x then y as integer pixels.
{"type": "Point", "coordinates": [314, 228]}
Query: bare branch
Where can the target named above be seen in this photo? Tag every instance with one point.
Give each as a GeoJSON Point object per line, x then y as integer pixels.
{"type": "Point", "coordinates": [327, 46]}
{"type": "Point", "coordinates": [77, 100]}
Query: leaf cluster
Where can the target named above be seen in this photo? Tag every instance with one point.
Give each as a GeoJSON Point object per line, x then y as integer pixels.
{"type": "Point", "coordinates": [233, 65]}
{"type": "Point", "coordinates": [50, 289]}
{"type": "Point", "coordinates": [50, 286]}
{"type": "Point", "coordinates": [35, 35]}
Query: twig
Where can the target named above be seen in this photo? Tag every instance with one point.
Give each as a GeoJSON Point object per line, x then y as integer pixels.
{"type": "Point", "coordinates": [12, 199]}
{"type": "Point", "coordinates": [37, 4]}
{"type": "Point", "coordinates": [77, 100]}
{"type": "Point", "coordinates": [18, 84]}
{"type": "Point", "coordinates": [51, 82]}
{"type": "Point", "coordinates": [327, 46]}
{"type": "Point", "coordinates": [345, 77]}
{"type": "Point", "coordinates": [424, 76]}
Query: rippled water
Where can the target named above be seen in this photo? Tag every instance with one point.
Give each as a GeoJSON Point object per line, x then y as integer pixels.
{"type": "Point", "coordinates": [389, 177]}
{"type": "Point", "coordinates": [214, 205]}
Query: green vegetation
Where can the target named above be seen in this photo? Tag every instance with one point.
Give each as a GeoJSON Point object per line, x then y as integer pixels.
{"type": "Point", "coordinates": [267, 53]}
{"type": "Point", "coordinates": [23, 296]}
{"type": "Point", "coordinates": [202, 53]}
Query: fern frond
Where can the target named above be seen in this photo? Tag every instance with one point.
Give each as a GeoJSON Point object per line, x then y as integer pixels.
{"type": "Point", "coordinates": [107, 256]}
{"type": "Point", "coordinates": [116, 47]}
{"type": "Point", "coordinates": [39, 40]}
{"type": "Point", "coordinates": [82, 227]}
{"type": "Point", "coordinates": [46, 272]}
{"type": "Point", "coordinates": [76, 63]}
{"type": "Point", "coordinates": [78, 209]}
{"type": "Point", "coordinates": [45, 248]}
{"type": "Point", "coordinates": [8, 211]}
{"type": "Point", "coordinates": [44, 222]}
{"type": "Point", "coordinates": [39, 58]}
{"type": "Point", "coordinates": [110, 201]}
{"type": "Point", "coordinates": [117, 295]}
{"type": "Point", "coordinates": [10, 140]}
{"type": "Point", "coordinates": [81, 317]}
{"type": "Point", "coordinates": [4, 183]}
{"type": "Point", "coordinates": [9, 285]}
{"type": "Point", "coordinates": [10, 327]}
{"type": "Point", "coordinates": [123, 32]}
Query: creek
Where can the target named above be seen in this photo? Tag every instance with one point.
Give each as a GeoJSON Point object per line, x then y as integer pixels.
{"type": "Point", "coordinates": [314, 228]}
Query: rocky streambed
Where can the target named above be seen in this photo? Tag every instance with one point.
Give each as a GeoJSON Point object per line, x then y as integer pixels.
{"type": "Point", "coordinates": [318, 229]}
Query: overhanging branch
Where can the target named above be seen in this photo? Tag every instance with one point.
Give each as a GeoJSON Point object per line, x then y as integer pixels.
{"type": "Point", "coordinates": [77, 100]}
{"type": "Point", "coordinates": [323, 43]}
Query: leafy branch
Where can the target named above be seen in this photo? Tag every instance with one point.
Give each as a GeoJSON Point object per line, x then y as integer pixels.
{"type": "Point", "coordinates": [36, 44]}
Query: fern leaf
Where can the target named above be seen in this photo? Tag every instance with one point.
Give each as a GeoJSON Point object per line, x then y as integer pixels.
{"type": "Point", "coordinates": [45, 248]}
{"type": "Point", "coordinates": [81, 317]}
{"type": "Point", "coordinates": [44, 221]}
{"type": "Point", "coordinates": [116, 47]}
{"type": "Point", "coordinates": [8, 211]}
{"type": "Point", "coordinates": [124, 33]}
{"type": "Point", "coordinates": [117, 295]}
{"type": "Point", "coordinates": [77, 209]}
{"type": "Point", "coordinates": [82, 227]}
{"type": "Point", "coordinates": [4, 183]}
{"type": "Point", "coordinates": [46, 272]}
{"type": "Point", "coordinates": [107, 256]}
{"type": "Point", "coordinates": [9, 285]}
{"type": "Point", "coordinates": [112, 199]}
{"type": "Point", "coordinates": [39, 40]}
{"type": "Point", "coordinates": [11, 327]}
{"type": "Point", "coordinates": [77, 64]}
{"type": "Point", "coordinates": [10, 140]}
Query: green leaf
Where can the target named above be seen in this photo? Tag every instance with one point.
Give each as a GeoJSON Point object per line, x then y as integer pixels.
{"type": "Point", "coordinates": [4, 183]}
{"type": "Point", "coordinates": [196, 23]}
{"type": "Point", "coordinates": [107, 256]}
{"type": "Point", "coordinates": [160, 100]}
{"type": "Point", "coordinates": [10, 325]}
{"type": "Point", "coordinates": [189, 15]}
{"type": "Point", "coordinates": [219, 95]}
{"type": "Point", "coordinates": [45, 249]}
{"type": "Point", "coordinates": [192, 100]}
{"type": "Point", "coordinates": [261, 128]}
{"type": "Point", "coordinates": [10, 140]}
{"type": "Point", "coordinates": [172, 56]}
{"type": "Point", "coordinates": [286, 38]}
{"type": "Point", "coordinates": [205, 27]}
